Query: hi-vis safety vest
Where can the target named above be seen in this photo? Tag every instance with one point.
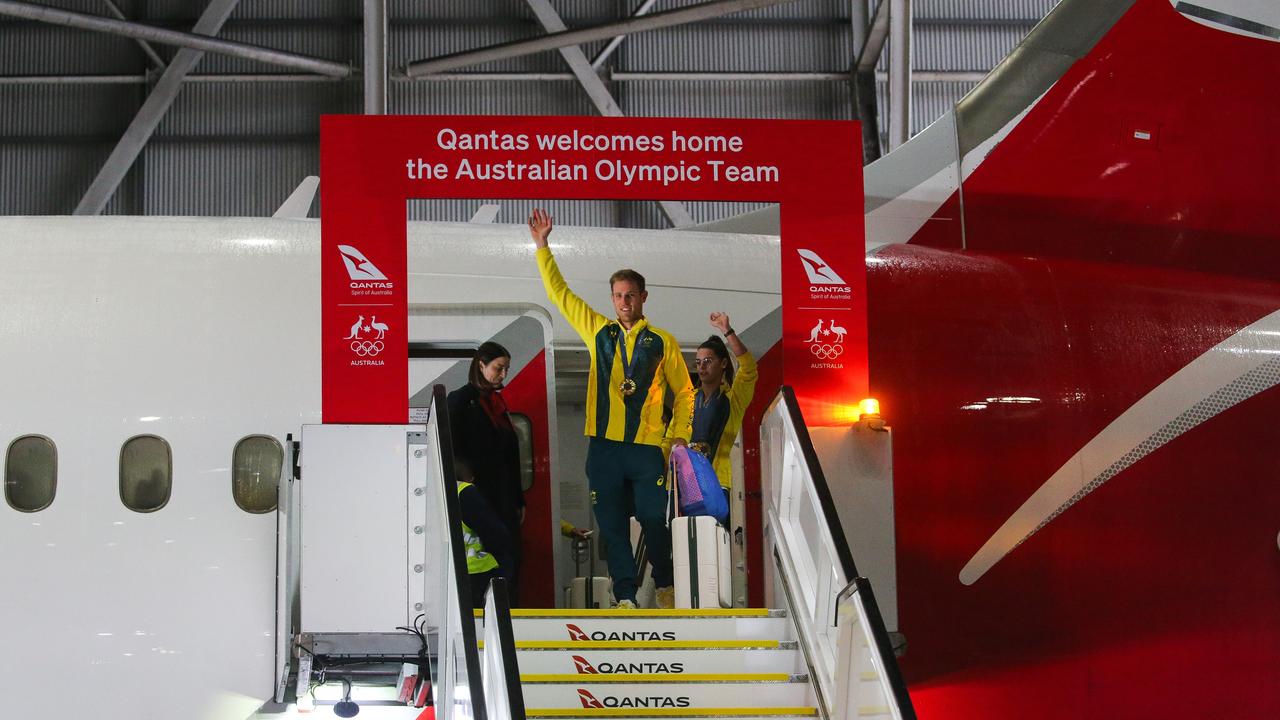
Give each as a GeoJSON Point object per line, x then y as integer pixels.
{"type": "Point", "coordinates": [478, 561]}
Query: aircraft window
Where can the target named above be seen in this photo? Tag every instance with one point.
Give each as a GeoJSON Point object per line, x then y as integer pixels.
{"type": "Point", "coordinates": [30, 473]}
{"type": "Point", "coordinates": [146, 473]}
{"type": "Point", "coordinates": [255, 473]}
{"type": "Point", "coordinates": [524, 437]}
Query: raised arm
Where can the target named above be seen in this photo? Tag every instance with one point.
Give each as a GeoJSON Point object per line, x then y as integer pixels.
{"type": "Point", "coordinates": [744, 383]}
{"type": "Point", "coordinates": [680, 429]}
{"type": "Point", "coordinates": [582, 318]}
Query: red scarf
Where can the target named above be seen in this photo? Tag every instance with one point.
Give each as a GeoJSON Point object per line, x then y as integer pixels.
{"type": "Point", "coordinates": [496, 408]}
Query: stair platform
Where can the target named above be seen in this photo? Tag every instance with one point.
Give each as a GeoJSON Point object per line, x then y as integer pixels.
{"type": "Point", "coordinates": [782, 658]}
{"type": "Point", "coordinates": [761, 713]}
{"type": "Point", "coordinates": [656, 693]}
{"type": "Point", "coordinates": [633, 626]}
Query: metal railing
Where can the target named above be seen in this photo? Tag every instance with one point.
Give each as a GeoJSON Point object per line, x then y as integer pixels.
{"type": "Point", "coordinates": [835, 613]}
{"type": "Point", "coordinates": [456, 675]}
{"type": "Point", "coordinates": [503, 697]}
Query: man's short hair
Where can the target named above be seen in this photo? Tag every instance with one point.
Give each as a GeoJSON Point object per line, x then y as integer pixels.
{"type": "Point", "coordinates": [629, 275]}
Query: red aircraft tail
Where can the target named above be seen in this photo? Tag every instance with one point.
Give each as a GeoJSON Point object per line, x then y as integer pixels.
{"type": "Point", "coordinates": [1137, 132]}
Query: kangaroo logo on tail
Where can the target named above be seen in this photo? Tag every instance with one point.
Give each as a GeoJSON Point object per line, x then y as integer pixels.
{"type": "Point", "coordinates": [575, 632]}
{"type": "Point", "coordinates": [819, 272]}
{"type": "Point", "coordinates": [359, 267]}
{"type": "Point", "coordinates": [584, 667]}
{"type": "Point", "coordinates": [588, 700]}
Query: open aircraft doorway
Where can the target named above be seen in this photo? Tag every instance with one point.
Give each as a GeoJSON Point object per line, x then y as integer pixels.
{"type": "Point", "coordinates": [501, 299]}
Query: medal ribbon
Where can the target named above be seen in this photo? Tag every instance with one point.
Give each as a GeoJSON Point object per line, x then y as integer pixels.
{"type": "Point", "coordinates": [622, 352]}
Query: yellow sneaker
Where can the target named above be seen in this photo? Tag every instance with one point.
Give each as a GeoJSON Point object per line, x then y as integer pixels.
{"type": "Point", "coordinates": [665, 597]}
{"type": "Point", "coordinates": [626, 605]}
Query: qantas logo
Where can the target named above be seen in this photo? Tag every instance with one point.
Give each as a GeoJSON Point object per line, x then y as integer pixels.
{"type": "Point", "coordinates": [586, 668]}
{"type": "Point", "coordinates": [359, 267]}
{"type": "Point", "coordinates": [819, 272]}
{"type": "Point", "coordinates": [577, 634]}
{"type": "Point", "coordinates": [588, 700]}
{"type": "Point", "coordinates": [611, 701]}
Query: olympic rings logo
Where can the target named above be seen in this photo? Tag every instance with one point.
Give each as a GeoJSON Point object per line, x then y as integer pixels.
{"type": "Point", "coordinates": [367, 348]}
{"type": "Point", "coordinates": [826, 352]}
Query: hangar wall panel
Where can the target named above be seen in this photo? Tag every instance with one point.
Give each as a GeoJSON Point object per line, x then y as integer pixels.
{"type": "Point", "coordinates": [339, 42]}
{"type": "Point", "coordinates": [251, 112]}
{"type": "Point", "coordinates": [182, 177]}
{"type": "Point", "coordinates": [989, 12]}
{"type": "Point", "coordinates": [239, 148]}
{"type": "Point", "coordinates": [741, 46]}
{"type": "Point", "coordinates": [30, 48]}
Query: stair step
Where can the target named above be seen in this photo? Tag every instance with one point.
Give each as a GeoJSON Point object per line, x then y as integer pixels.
{"type": "Point", "coordinates": [640, 612]}
{"type": "Point", "coordinates": [769, 713]}
{"type": "Point", "coordinates": [665, 695]}
{"type": "Point", "coordinates": [706, 660]}
{"type": "Point", "coordinates": [651, 644]}
{"type": "Point", "coordinates": [661, 677]}
{"type": "Point", "coordinates": [631, 627]}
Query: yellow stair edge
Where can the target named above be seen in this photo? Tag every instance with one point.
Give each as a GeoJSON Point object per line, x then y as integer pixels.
{"type": "Point", "coordinates": [640, 613]}
{"type": "Point", "coordinates": [654, 677]}
{"type": "Point", "coordinates": [640, 644]}
{"type": "Point", "coordinates": [668, 712]}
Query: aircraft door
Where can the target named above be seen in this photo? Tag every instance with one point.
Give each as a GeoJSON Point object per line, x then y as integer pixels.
{"type": "Point", "coordinates": [442, 342]}
{"type": "Point", "coordinates": [288, 547]}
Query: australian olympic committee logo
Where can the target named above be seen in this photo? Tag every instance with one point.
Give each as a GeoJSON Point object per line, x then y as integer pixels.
{"type": "Point", "coordinates": [366, 339]}
{"type": "Point", "coordinates": [826, 342]}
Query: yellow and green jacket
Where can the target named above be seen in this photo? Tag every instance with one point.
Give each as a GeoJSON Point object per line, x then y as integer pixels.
{"type": "Point", "coordinates": [657, 365]}
{"type": "Point", "coordinates": [727, 408]}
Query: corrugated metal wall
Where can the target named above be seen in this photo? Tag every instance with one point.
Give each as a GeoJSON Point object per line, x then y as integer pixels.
{"type": "Point", "coordinates": [236, 148]}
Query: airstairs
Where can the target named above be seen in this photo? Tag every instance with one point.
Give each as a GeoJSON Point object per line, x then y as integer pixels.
{"type": "Point", "coordinates": [824, 651]}
{"type": "Point", "coordinates": [828, 654]}
{"type": "Point", "coordinates": [734, 662]}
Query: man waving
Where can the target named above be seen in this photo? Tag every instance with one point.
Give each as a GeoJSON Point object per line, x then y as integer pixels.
{"type": "Point", "coordinates": [632, 365]}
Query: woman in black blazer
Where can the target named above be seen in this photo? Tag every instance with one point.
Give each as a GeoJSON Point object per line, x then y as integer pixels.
{"type": "Point", "coordinates": [485, 439]}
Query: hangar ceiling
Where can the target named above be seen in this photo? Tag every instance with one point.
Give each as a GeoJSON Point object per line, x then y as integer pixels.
{"type": "Point", "coordinates": [96, 121]}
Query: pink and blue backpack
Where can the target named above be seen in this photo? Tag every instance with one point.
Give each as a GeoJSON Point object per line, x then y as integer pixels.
{"type": "Point", "coordinates": [698, 488]}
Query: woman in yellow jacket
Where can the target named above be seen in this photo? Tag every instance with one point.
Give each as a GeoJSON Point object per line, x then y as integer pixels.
{"type": "Point", "coordinates": [722, 398]}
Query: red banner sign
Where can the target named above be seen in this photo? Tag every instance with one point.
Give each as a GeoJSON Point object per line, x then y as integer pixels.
{"type": "Point", "coordinates": [371, 165]}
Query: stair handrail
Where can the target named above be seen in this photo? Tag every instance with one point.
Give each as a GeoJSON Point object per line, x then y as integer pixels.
{"type": "Point", "coordinates": [856, 608]}
{"type": "Point", "coordinates": [457, 679]}
{"type": "Point", "coordinates": [834, 610]}
{"type": "Point", "coordinates": [503, 696]}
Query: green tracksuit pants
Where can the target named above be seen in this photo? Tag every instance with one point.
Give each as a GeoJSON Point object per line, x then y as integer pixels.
{"type": "Point", "coordinates": [626, 477]}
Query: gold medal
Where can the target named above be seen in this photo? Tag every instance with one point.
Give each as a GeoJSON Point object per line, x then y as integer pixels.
{"type": "Point", "coordinates": [627, 387]}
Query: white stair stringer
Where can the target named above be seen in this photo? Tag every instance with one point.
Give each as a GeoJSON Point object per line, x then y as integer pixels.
{"type": "Point", "coordinates": [739, 663]}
